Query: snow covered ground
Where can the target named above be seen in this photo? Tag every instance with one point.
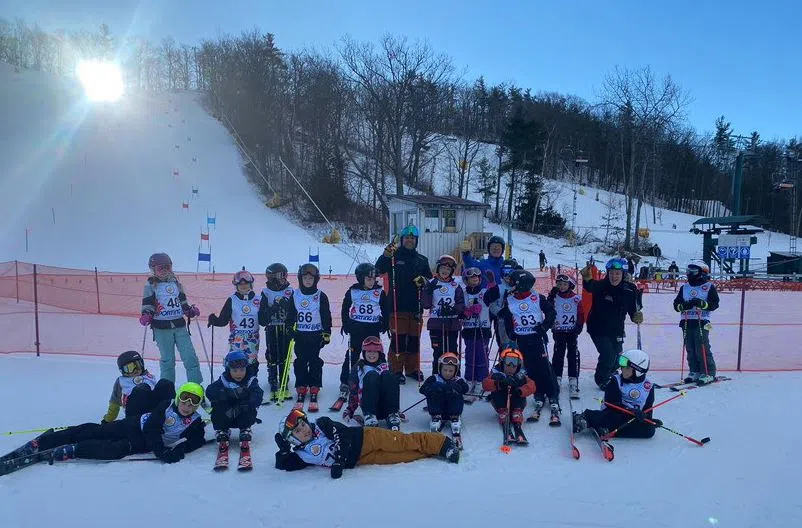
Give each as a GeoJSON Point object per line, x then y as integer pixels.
{"type": "Point", "coordinates": [104, 185]}
{"type": "Point", "coordinates": [745, 477]}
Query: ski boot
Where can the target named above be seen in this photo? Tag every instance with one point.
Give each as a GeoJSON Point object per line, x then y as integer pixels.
{"type": "Point", "coordinates": [456, 431]}
{"type": "Point", "coordinates": [450, 451]}
{"type": "Point", "coordinates": [554, 421]}
{"type": "Point", "coordinates": [579, 422]}
{"type": "Point", "coordinates": [371, 420]}
{"type": "Point", "coordinates": [517, 419]}
{"type": "Point", "coordinates": [394, 422]}
{"type": "Point", "coordinates": [299, 403]}
{"type": "Point", "coordinates": [245, 435]}
{"type": "Point", "coordinates": [705, 379]}
{"type": "Point", "coordinates": [436, 423]}
{"type": "Point", "coordinates": [692, 377]}
{"type": "Point", "coordinates": [417, 376]}
{"type": "Point", "coordinates": [573, 388]}
{"type": "Point", "coordinates": [540, 401]}
{"type": "Point", "coordinates": [63, 453]}
{"type": "Point", "coordinates": [222, 437]}
{"type": "Point", "coordinates": [313, 405]}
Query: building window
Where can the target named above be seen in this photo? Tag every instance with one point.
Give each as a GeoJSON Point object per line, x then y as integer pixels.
{"type": "Point", "coordinates": [432, 221]}
{"type": "Point", "coordinates": [450, 220]}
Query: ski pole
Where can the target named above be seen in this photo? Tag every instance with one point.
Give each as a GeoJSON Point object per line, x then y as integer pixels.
{"type": "Point", "coordinates": [211, 363]}
{"type": "Point", "coordinates": [144, 335]}
{"type": "Point", "coordinates": [700, 443]}
{"type": "Point", "coordinates": [612, 433]}
{"type": "Point", "coordinates": [702, 342]}
{"type": "Point", "coordinates": [414, 405]}
{"type": "Point", "coordinates": [395, 302]}
{"type": "Point", "coordinates": [640, 344]}
{"type": "Point", "coordinates": [682, 359]}
{"type": "Point", "coordinates": [203, 344]}
{"type": "Point", "coordinates": [28, 431]}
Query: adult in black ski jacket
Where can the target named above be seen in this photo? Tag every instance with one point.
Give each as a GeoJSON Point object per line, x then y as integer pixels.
{"type": "Point", "coordinates": [411, 272]}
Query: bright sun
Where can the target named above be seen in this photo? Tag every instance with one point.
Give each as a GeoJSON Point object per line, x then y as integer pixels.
{"type": "Point", "coordinates": [102, 80]}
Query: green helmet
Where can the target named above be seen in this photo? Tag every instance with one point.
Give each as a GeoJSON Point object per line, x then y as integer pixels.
{"type": "Point", "coordinates": [189, 388]}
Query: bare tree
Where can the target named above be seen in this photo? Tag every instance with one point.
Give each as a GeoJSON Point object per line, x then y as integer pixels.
{"type": "Point", "coordinates": [466, 128]}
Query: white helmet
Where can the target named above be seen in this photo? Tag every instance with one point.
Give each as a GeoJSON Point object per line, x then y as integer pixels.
{"type": "Point", "coordinates": [635, 358]}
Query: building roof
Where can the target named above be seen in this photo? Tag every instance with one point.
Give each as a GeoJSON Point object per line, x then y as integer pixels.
{"type": "Point", "coordinates": [731, 220]}
{"type": "Point", "coordinates": [452, 201]}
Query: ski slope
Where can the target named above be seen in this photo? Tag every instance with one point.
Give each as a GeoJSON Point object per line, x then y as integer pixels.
{"type": "Point", "coordinates": [105, 184]}
{"type": "Point", "coordinates": [745, 477]}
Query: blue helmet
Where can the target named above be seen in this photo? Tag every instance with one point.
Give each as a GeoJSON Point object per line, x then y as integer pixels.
{"type": "Point", "coordinates": [616, 263]}
{"type": "Point", "coordinates": [235, 359]}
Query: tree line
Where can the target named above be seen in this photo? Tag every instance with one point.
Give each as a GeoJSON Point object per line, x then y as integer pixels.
{"type": "Point", "coordinates": [366, 119]}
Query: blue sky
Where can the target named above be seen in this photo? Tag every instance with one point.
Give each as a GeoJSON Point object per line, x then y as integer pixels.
{"type": "Point", "coordinates": [736, 58]}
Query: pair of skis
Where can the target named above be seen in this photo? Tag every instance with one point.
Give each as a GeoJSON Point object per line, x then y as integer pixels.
{"type": "Point", "coordinates": [245, 462]}
{"type": "Point", "coordinates": [606, 447]}
{"type": "Point", "coordinates": [682, 385]}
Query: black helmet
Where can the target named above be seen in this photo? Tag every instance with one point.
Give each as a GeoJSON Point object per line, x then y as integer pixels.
{"type": "Point", "coordinates": [496, 240]}
{"type": "Point", "coordinates": [508, 266]}
{"type": "Point", "coordinates": [130, 356]}
{"type": "Point", "coordinates": [366, 269]}
{"type": "Point", "coordinates": [276, 267]}
{"type": "Point", "coordinates": [308, 269]}
{"type": "Point", "coordinates": [522, 280]}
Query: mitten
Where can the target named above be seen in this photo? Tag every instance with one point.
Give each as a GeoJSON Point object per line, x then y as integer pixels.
{"type": "Point", "coordinates": [145, 319]}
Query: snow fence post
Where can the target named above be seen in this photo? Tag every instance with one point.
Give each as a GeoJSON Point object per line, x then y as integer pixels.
{"type": "Point", "coordinates": [97, 290]}
{"type": "Point", "coordinates": [741, 325]}
{"type": "Point", "coordinates": [36, 308]}
{"type": "Point", "coordinates": [16, 275]}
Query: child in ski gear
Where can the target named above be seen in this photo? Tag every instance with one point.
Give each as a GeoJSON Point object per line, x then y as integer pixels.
{"type": "Point", "coordinates": [235, 397]}
{"type": "Point", "coordinates": [695, 300]}
{"type": "Point", "coordinates": [171, 430]}
{"type": "Point", "coordinates": [527, 315]}
{"type": "Point", "coordinates": [331, 444]}
{"type": "Point", "coordinates": [444, 392]}
{"type": "Point", "coordinates": [164, 306]}
{"type": "Point", "coordinates": [567, 327]}
{"type": "Point", "coordinates": [273, 308]}
{"type": "Point", "coordinates": [509, 386]}
{"type": "Point", "coordinates": [364, 313]}
{"type": "Point", "coordinates": [613, 299]}
{"type": "Point", "coordinates": [629, 389]}
{"type": "Point", "coordinates": [493, 262]}
{"type": "Point", "coordinates": [310, 313]}
{"type": "Point", "coordinates": [241, 313]}
{"type": "Point", "coordinates": [135, 390]}
{"type": "Point", "coordinates": [507, 267]}
{"type": "Point", "coordinates": [373, 387]}
{"type": "Point", "coordinates": [407, 272]}
{"type": "Point", "coordinates": [445, 300]}
{"type": "Point", "coordinates": [476, 330]}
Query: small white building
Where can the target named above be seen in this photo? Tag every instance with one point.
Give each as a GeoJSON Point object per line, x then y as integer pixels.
{"type": "Point", "coordinates": [443, 221]}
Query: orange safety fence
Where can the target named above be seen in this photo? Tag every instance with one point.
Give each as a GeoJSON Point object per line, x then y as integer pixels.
{"type": "Point", "coordinates": [95, 313]}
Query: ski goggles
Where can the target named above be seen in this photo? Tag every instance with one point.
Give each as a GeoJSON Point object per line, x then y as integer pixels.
{"type": "Point", "coordinates": [624, 362]}
{"type": "Point", "coordinates": [238, 364]}
{"type": "Point", "coordinates": [130, 368]}
{"type": "Point", "coordinates": [616, 264]}
{"type": "Point", "coordinates": [372, 344]}
{"type": "Point", "coordinates": [472, 272]}
{"type": "Point", "coordinates": [506, 271]}
{"type": "Point", "coordinates": [449, 360]}
{"type": "Point", "coordinates": [292, 419]}
{"type": "Point", "coordinates": [563, 278]}
{"type": "Point", "coordinates": [511, 362]}
{"type": "Point", "coordinates": [163, 268]}
{"type": "Point", "coordinates": [189, 398]}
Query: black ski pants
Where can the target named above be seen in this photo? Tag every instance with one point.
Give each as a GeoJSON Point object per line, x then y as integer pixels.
{"type": "Point", "coordinates": [609, 348]}
{"type": "Point", "coordinates": [108, 441]}
{"type": "Point", "coordinates": [447, 404]}
{"type": "Point", "coordinates": [611, 419]}
{"type": "Point", "coordinates": [308, 365]}
{"type": "Point", "coordinates": [442, 342]}
{"type": "Point", "coordinates": [143, 399]}
{"type": "Point", "coordinates": [565, 341]}
{"type": "Point", "coordinates": [536, 362]}
{"type": "Point", "coordinates": [380, 394]}
{"type": "Point", "coordinates": [226, 416]}
{"type": "Point", "coordinates": [277, 346]}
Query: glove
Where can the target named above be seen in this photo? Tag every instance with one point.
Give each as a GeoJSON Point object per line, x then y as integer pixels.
{"type": "Point", "coordinates": [290, 333]}
{"type": "Point", "coordinates": [192, 311]}
{"type": "Point", "coordinates": [325, 339]}
{"type": "Point", "coordinates": [490, 277]}
{"type": "Point", "coordinates": [145, 319]}
{"type": "Point", "coordinates": [637, 317]}
{"type": "Point", "coordinates": [283, 446]}
{"type": "Point", "coordinates": [475, 310]}
{"type": "Point", "coordinates": [518, 380]}
{"type": "Point", "coordinates": [420, 281]}
{"type": "Point", "coordinates": [465, 247]}
{"type": "Point", "coordinates": [586, 273]}
{"type": "Point", "coordinates": [211, 320]}
{"type": "Point", "coordinates": [173, 454]}
{"type": "Point", "coordinates": [498, 377]}
{"type": "Point", "coordinates": [390, 249]}
{"type": "Point", "coordinates": [639, 415]}
{"type": "Point", "coordinates": [431, 286]}
{"type": "Point", "coordinates": [446, 310]}
{"type": "Point", "coordinates": [679, 307]}
{"type": "Point", "coordinates": [336, 470]}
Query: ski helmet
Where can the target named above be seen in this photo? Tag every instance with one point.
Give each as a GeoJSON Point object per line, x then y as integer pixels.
{"type": "Point", "coordinates": [448, 358]}
{"type": "Point", "coordinates": [698, 268]}
{"type": "Point", "coordinates": [637, 359]}
{"type": "Point", "coordinates": [130, 356]}
{"type": "Point", "coordinates": [616, 264]}
{"type": "Point", "coordinates": [189, 391]}
{"type": "Point", "coordinates": [522, 281]}
{"type": "Point", "coordinates": [372, 344]}
{"type": "Point", "coordinates": [496, 240]}
{"type": "Point", "coordinates": [467, 273]}
{"type": "Point", "coordinates": [409, 230]}
{"type": "Point", "coordinates": [159, 259]}
{"type": "Point", "coordinates": [512, 356]}
{"type": "Point", "coordinates": [565, 278]}
{"type": "Point", "coordinates": [289, 424]}
{"type": "Point", "coordinates": [276, 267]}
{"type": "Point", "coordinates": [242, 276]}
{"type": "Point", "coordinates": [366, 269]}
{"type": "Point", "coordinates": [235, 359]}
{"type": "Point", "coordinates": [308, 269]}
{"type": "Point", "coordinates": [448, 261]}
{"type": "Point", "coordinates": [508, 266]}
